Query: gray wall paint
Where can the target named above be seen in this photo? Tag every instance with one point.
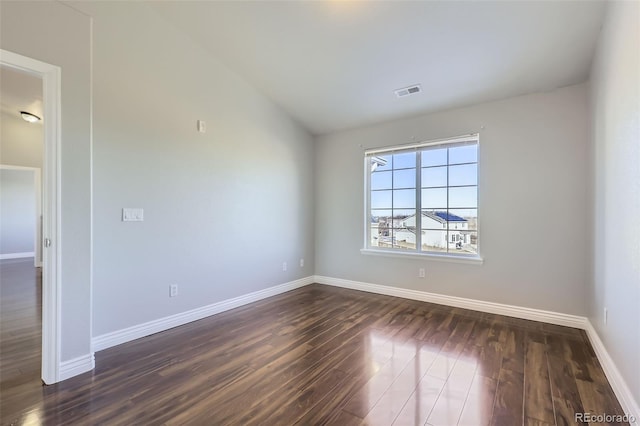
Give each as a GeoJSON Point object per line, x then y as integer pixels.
{"type": "Point", "coordinates": [615, 118]}
{"type": "Point", "coordinates": [17, 211]}
{"type": "Point", "coordinates": [222, 209]}
{"type": "Point", "coordinates": [56, 34]}
{"type": "Point", "coordinates": [533, 169]}
{"type": "Point", "coordinates": [20, 142]}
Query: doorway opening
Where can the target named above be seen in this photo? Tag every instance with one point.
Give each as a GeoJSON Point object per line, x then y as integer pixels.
{"type": "Point", "coordinates": [20, 75]}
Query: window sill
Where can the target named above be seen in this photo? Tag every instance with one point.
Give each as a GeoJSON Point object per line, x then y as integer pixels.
{"type": "Point", "coordinates": [475, 260]}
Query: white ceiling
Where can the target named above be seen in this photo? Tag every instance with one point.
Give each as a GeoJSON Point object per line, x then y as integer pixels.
{"type": "Point", "coordinates": [334, 64]}
{"type": "Point", "coordinates": [19, 92]}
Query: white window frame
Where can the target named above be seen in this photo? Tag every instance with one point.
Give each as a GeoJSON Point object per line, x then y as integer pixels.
{"type": "Point", "coordinates": [417, 252]}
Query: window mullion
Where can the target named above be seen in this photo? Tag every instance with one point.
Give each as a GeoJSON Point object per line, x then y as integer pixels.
{"type": "Point", "coordinates": [447, 211]}
{"type": "Point", "coordinates": [392, 230]}
{"type": "Point", "coordinates": [418, 201]}
{"type": "Point", "coordinates": [367, 195]}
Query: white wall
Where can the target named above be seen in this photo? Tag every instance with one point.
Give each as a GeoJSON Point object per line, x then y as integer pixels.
{"type": "Point", "coordinates": [54, 33]}
{"type": "Point", "coordinates": [20, 142]}
{"type": "Point", "coordinates": [222, 210]}
{"type": "Point", "coordinates": [532, 193]}
{"type": "Point", "coordinates": [17, 211]}
{"type": "Point", "coordinates": [615, 119]}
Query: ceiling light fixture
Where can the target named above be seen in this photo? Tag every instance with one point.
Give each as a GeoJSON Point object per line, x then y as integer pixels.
{"type": "Point", "coordinates": [31, 118]}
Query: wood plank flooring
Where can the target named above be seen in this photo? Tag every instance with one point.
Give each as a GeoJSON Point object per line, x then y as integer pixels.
{"type": "Point", "coordinates": [20, 332]}
{"type": "Point", "coordinates": [316, 355]}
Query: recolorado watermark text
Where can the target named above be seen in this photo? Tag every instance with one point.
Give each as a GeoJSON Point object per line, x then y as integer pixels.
{"type": "Point", "coordinates": [603, 418]}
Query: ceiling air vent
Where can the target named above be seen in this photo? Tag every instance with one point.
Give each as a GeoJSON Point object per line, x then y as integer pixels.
{"type": "Point", "coordinates": [406, 91]}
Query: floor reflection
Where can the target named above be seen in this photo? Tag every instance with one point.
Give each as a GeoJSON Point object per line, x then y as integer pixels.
{"type": "Point", "coordinates": [414, 382]}
{"type": "Point", "coordinates": [33, 418]}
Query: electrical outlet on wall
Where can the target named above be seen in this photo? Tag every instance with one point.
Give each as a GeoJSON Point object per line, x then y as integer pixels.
{"type": "Point", "coordinates": [301, 262]}
{"type": "Point", "coordinates": [173, 290]}
{"type": "Point", "coordinates": [421, 273]}
{"type": "Point", "coordinates": [284, 266]}
{"type": "Point", "coordinates": [606, 314]}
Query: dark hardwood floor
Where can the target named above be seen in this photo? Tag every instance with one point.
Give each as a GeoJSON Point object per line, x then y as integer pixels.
{"type": "Point", "coordinates": [20, 333]}
{"type": "Point", "coordinates": [316, 355]}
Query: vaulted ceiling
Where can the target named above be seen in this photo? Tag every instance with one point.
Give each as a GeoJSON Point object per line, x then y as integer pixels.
{"type": "Point", "coordinates": [335, 64]}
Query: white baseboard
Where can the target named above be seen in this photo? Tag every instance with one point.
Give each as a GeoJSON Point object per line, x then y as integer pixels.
{"type": "Point", "coordinates": [620, 388]}
{"type": "Point", "coordinates": [76, 366]}
{"type": "Point", "coordinates": [108, 340]}
{"type": "Point", "coordinates": [461, 302]}
{"type": "Point", "coordinates": [619, 385]}
{"type": "Point", "coordinates": [16, 255]}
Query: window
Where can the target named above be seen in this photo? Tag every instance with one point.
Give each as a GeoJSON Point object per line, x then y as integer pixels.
{"type": "Point", "coordinates": [423, 198]}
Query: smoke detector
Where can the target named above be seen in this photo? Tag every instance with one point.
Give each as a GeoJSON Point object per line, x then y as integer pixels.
{"type": "Point", "coordinates": [406, 91]}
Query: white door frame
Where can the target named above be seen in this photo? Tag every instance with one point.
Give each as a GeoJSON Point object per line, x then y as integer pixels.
{"type": "Point", "coordinates": [51, 207]}
{"type": "Point", "coordinates": [37, 182]}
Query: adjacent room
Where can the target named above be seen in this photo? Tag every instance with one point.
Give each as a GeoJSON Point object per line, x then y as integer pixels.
{"type": "Point", "coordinates": [328, 212]}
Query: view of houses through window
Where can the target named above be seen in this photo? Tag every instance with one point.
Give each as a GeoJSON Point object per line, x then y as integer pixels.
{"type": "Point", "coordinates": [424, 199]}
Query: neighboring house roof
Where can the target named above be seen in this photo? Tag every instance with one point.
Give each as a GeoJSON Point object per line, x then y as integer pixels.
{"type": "Point", "coordinates": [439, 216]}
{"type": "Point", "coordinates": [444, 216]}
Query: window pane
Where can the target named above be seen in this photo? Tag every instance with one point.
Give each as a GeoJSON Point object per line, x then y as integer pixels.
{"type": "Point", "coordinates": [380, 225]}
{"type": "Point", "coordinates": [378, 215]}
{"type": "Point", "coordinates": [404, 178]}
{"type": "Point", "coordinates": [385, 238]}
{"type": "Point", "coordinates": [434, 176]}
{"type": "Point", "coordinates": [434, 219]}
{"type": "Point", "coordinates": [380, 199]}
{"type": "Point", "coordinates": [404, 239]}
{"type": "Point", "coordinates": [455, 222]}
{"type": "Point", "coordinates": [434, 157]}
{"type": "Point", "coordinates": [406, 160]}
{"type": "Point", "coordinates": [463, 175]}
{"type": "Point", "coordinates": [400, 217]}
{"type": "Point", "coordinates": [463, 154]}
{"type": "Point", "coordinates": [434, 198]}
{"type": "Point", "coordinates": [459, 241]}
{"type": "Point", "coordinates": [404, 198]}
{"type": "Point", "coordinates": [469, 215]}
{"type": "Point", "coordinates": [375, 235]}
{"type": "Point", "coordinates": [381, 180]}
{"type": "Point", "coordinates": [466, 242]}
{"type": "Point", "coordinates": [434, 241]}
{"type": "Point", "coordinates": [463, 197]}
{"type": "Point", "coordinates": [381, 162]}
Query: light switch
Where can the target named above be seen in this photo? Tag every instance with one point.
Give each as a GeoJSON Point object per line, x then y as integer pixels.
{"type": "Point", "coordinates": [202, 126]}
{"type": "Point", "coordinates": [132, 214]}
